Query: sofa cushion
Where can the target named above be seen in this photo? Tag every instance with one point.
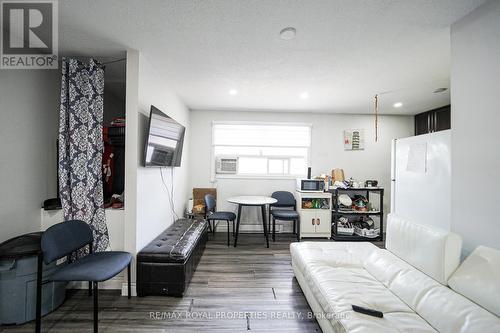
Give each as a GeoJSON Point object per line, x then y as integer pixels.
{"type": "Point", "coordinates": [331, 254]}
{"type": "Point", "coordinates": [440, 306]}
{"type": "Point", "coordinates": [175, 244]}
{"type": "Point", "coordinates": [393, 322]}
{"type": "Point", "coordinates": [335, 275]}
{"type": "Point", "coordinates": [478, 278]}
{"type": "Point", "coordinates": [434, 251]}
{"type": "Point", "coordinates": [450, 312]}
{"type": "Point", "coordinates": [404, 280]}
{"type": "Point", "coordinates": [338, 288]}
{"type": "Point", "coordinates": [350, 321]}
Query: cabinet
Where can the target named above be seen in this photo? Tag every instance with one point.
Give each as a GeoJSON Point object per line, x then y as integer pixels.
{"type": "Point", "coordinates": [314, 209]}
{"type": "Point", "coordinates": [433, 120]}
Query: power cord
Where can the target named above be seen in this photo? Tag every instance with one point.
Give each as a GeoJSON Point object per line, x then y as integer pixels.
{"type": "Point", "coordinates": [170, 194]}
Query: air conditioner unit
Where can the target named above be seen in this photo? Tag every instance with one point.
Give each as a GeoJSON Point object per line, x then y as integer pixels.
{"type": "Point", "coordinates": [226, 165]}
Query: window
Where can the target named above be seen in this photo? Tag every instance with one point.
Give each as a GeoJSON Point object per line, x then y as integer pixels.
{"type": "Point", "coordinates": [263, 149]}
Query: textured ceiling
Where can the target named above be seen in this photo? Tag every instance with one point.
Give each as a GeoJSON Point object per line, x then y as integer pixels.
{"type": "Point", "coordinates": [343, 54]}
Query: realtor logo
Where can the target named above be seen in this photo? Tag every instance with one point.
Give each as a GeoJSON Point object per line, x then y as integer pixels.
{"type": "Point", "coordinates": [29, 37]}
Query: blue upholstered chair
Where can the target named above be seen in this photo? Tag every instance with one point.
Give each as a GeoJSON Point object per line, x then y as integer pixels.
{"type": "Point", "coordinates": [62, 240]}
{"type": "Point", "coordinates": [213, 216]}
{"type": "Point", "coordinates": [280, 210]}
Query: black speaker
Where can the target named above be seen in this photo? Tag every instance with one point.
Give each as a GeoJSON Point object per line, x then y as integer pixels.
{"type": "Point", "coordinates": [52, 204]}
{"type": "Point", "coordinates": [309, 173]}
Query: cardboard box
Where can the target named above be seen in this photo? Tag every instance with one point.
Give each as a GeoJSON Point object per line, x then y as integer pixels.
{"type": "Point", "coordinates": [337, 175]}
{"type": "Point", "coordinates": [199, 198]}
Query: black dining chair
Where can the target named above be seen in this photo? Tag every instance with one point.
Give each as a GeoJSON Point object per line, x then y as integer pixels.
{"type": "Point", "coordinates": [62, 240]}
{"type": "Point", "coordinates": [214, 216]}
{"type": "Point", "coordinates": [280, 210]}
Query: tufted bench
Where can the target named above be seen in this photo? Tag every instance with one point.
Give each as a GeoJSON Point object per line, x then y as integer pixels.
{"type": "Point", "coordinates": [165, 266]}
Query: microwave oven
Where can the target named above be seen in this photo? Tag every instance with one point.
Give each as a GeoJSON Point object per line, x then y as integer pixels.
{"type": "Point", "coordinates": [310, 185]}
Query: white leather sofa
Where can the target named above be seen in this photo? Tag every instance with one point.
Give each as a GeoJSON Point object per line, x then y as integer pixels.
{"type": "Point", "coordinates": [414, 282]}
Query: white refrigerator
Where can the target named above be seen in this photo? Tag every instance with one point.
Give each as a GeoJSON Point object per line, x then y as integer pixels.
{"type": "Point", "coordinates": [421, 179]}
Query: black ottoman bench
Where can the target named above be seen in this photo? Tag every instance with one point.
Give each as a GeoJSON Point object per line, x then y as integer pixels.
{"type": "Point", "coordinates": [165, 266]}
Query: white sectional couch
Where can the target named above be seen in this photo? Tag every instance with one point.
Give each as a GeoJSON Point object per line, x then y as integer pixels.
{"type": "Point", "coordinates": [408, 282]}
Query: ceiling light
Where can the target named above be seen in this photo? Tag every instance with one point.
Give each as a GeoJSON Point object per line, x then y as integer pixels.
{"type": "Point", "coordinates": [304, 95]}
{"type": "Point", "coordinates": [288, 33]}
{"type": "Point", "coordinates": [440, 90]}
{"type": "Point", "coordinates": [398, 105]}
{"type": "Point", "coordinates": [233, 92]}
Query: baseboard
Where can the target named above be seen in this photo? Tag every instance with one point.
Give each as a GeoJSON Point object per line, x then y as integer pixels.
{"type": "Point", "coordinates": [133, 289]}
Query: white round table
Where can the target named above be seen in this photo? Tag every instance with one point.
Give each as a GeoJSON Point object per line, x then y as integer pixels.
{"type": "Point", "coordinates": [252, 201]}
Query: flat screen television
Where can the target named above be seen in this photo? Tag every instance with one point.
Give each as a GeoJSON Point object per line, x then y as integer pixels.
{"type": "Point", "coordinates": [164, 141]}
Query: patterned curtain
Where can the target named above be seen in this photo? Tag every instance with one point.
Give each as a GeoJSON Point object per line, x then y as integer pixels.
{"type": "Point", "coordinates": [81, 146]}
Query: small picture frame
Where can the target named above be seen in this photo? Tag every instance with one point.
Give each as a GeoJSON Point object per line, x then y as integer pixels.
{"type": "Point", "coordinates": [354, 139]}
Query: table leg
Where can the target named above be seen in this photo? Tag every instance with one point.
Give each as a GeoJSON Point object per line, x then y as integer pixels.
{"type": "Point", "coordinates": [264, 223]}
{"type": "Point", "coordinates": [237, 225]}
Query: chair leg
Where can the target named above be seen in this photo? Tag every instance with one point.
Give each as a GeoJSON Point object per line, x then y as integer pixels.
{"type": "Point", "coordinates": [129, 293]}
{"type": "Point", "coordinates": [228, 232]}
{"type": "Point", "coordinates": [96, 307]}
{"type": "Point", "coordinates": [298, 229]}
{"type": "Point", "coordinates": [274, 229]}
{"type": "Point", "coordinates": [294, 226]}
{"type": "Point", "coordinates": [269, 217]}
{"type": "Point", "coordinates": [91, 249]}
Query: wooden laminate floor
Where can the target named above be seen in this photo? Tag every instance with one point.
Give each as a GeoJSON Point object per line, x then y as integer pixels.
{"type": "Point", "coordinates": [233, 290]}
{"type": "Point", "coordinates": [248, 288]}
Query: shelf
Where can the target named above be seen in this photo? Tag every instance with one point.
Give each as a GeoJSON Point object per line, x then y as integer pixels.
{"type": "Point", "coordinates": [353, 212]}
{"type": "Point", "coordinates": [374, 189]}
{"type": "Point", "coordinates": [315, 203]}
{"type": "Point", "coordinates": [355, 238]}
{"type": "Point", "coordinates": [336, 212]}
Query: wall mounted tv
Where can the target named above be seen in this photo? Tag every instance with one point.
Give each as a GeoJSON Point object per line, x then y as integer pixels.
{"type": "Point", "coordinates": [164, 141]}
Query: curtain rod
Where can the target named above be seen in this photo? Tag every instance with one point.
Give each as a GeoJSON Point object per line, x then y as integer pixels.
{"type": "Point", "coordinates": [113, 61]}
{"type": "Point", "coordinates": [102, 63]}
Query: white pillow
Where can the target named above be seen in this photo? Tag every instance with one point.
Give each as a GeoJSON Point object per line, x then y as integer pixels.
{"type": "Point", "coordinates": [478, 278]}
{"type": "Point", "coordinates": [433, 251]}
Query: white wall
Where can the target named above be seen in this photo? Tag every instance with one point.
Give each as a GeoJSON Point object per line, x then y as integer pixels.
{"type": "Point", "coordinates": [475, 85]}
{"type": "Point", "coordinates": [327, 151]}
{"type": "Point", "coordinates": [131, 153]}
{"type": "Point", "coordinates": [29, 108]}
{"type": "Point", "coordinates": [153, 208]}
{"type": "Point", "coordinates": [150, 210]}
{"type": "Point", "coordinates": [114, 106]}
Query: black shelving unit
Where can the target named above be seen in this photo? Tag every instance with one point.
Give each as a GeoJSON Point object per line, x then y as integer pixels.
{"type": "Point", "coordinates": [336, 213]}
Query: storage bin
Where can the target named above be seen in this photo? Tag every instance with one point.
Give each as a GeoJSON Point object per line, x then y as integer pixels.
{"type": "Point", "coordinates": [368, 233]}
{"type": "Point", "coordinates": [18, 273]}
